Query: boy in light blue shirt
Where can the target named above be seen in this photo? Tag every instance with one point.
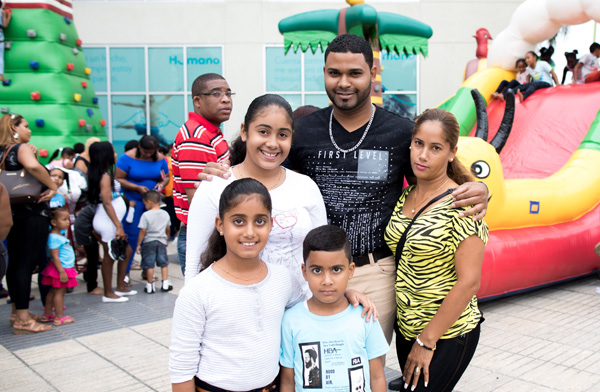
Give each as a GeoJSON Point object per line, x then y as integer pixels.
{"type": "Point", "coordinates": [325, 343]}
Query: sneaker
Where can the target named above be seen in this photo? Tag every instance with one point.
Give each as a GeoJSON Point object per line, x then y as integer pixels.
{"type": "Point", "coordinates": [166, 285]}
{"type": "Point", "coordinates": [113, 249]}
{"type": "Point", "coordinates": [122, 249]}
{"type": "Point", "coordinates": [150, 288]}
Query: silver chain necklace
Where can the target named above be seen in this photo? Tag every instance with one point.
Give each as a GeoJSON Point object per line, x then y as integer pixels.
{"type": "Point", "coordinates": [362, 137]}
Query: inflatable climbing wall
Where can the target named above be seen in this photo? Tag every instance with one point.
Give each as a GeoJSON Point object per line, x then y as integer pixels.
{"type": "Point", "coordinates": [49, 82]}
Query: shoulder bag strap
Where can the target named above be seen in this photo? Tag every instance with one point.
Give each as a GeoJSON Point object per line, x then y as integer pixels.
{"type": "Point", "coordinates": [402, 240]}
{"type": "Point", "coordinates": [6, 151]}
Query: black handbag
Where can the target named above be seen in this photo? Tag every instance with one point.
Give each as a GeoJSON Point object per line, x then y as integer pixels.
{"type": "Point", "coordinates": [402, 240]}
{"type": "Point", "coordinates": [22, 187]}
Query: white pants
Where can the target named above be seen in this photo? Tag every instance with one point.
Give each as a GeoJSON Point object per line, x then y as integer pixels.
{"type": "Point", "coordinates": [102, 223]}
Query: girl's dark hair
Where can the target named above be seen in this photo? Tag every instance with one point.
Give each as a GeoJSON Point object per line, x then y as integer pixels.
{"type": "Point", "coordinates": [238, 147]}
{"type": "Point", "coordinates": [148, 142]}
{"type": "Point", "coordinates": [62, 152]}
{"type": "Point", "coordinates": [131, 144]}
{"type": "Point", "coordinates": [55, 211]}
{"type": "Point", "coordinates": [572, 55]}
{"type": "Point", "coordinates": [232, 195]}
{"type": "Point", "coordinates": [455, 170]}
{"type": "Point", "coordinates": [535, 54]}
{"type": "Point", "coordinates": [102, 159]}
{"type": "Point", "coordinates": [520, 61]}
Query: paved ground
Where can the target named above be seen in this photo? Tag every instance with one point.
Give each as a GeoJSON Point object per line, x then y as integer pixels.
{"type": "Point", "coordinates": [545, 340]}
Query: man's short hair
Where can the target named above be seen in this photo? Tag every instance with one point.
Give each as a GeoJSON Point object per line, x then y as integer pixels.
{"type": "Point", "coordinates": [152, 196]}
{"type": "Point", "coordinates": [327, 238]}
{"type": "Point", "coordinates": [351, 43]}
{"type": "Point", "coordinates": [200, 83]}
{"type": "Point", "coordinates": [593, 47]}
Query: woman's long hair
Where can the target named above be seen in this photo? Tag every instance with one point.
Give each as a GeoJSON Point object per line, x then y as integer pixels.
{"type": "Point", "coordinates": [232, 195]}
{"type": "Point", "coordinates": [238, 147]}
{"type": "Point", "coordinates": [7, 133]}
{"type": "Point", "coordinates": [451, 130]}
{"type": "Point", "coordinates": [102, 159]}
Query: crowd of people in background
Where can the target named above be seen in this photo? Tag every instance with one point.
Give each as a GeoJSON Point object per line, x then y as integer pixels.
{"type": "Point", "coordinates": [291, 215]}
{"type": "Point", "coordinates": [537, 72]}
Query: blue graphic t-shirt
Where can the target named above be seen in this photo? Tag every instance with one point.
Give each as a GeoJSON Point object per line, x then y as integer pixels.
{"type": "Point", "coordinates": [330, 353]}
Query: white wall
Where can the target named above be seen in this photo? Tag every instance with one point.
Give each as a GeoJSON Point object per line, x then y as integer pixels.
{"type": "Point", "coordinates": [244, 27]}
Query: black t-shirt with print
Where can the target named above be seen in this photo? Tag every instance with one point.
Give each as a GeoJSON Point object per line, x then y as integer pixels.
{"type": "Point", "coordinates": [360, 188]}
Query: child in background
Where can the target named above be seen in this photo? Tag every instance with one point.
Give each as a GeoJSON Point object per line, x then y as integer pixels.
{"type": "Point", "coordinates": [505, 85]}
{"type": "Point", "coordinates": [60, 273]}
{"type": "Point", "coordinates": [588, 65]}
{"type": "Point", "coordinates": [546, 55]}
{"type": "Point", "coordinates": [153, 240]}
{"type": "Point", "coordinates": [570, 67]}
{"type": "Point", "coordinates": [58, 177]}
{"type": "Point", "coordinates": [541, 76]}
{"type": "Point", "coordinates": [325, 344]}
{"type": "Point", "coordinates": [67, 155]}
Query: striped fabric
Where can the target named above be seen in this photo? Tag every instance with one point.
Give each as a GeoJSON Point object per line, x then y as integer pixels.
{"type": "Point", "coordinates": [426, 271]}
{"type": "Point", "coordinates": [197, 143]}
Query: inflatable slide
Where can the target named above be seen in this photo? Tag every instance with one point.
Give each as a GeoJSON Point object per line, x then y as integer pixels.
{"type": "Point", "coordinates": [544, 209]}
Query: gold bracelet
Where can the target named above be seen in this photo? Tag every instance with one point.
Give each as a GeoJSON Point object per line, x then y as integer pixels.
{"type": "Point", "coordinates": [420, 343]}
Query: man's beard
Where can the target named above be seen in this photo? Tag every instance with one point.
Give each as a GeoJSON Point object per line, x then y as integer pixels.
{"type": "Point", "coordinates": [361, 97]}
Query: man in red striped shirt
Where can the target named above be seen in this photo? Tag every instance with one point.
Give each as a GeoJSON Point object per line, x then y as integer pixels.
{"type": "Point", "coordinates": [198, 142]}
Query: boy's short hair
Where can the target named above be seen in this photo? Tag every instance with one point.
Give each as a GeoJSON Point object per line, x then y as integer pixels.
{"type": "Point", "coordinates": [594, 46]}
{"type": "Point", "coordinates": [152, 196]}
{"type": "Point", "coordinates": [327, 238]}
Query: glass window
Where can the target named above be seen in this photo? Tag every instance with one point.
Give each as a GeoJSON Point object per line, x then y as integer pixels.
{"type": "Point", "coordinates": [399, 72]}
{"type": "Point", "coordinates": [166, 117]}
{"type": "Point", "coordinates": [403, 104]}
{"type": "Point", "coordinates": [318, 100]}
{"type": "Point", "coordinates": [314, 79]}
{"type": "Point", "coordinates": [283, 72]}
{"type": "Point", "coordinates": [295, 100]}
{"type": "Point", "coordinates": [95, 58]}
{"type": "Point", "coordinates": [165, 69]}
{"type": "Point", "coordinates": [128, 119]}
{"type": "Point", "coordinates": [201, 61]}
{"type": "Point", "coordinates": [127, 69]}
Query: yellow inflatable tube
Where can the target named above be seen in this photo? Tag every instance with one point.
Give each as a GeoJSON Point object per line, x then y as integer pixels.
{"type": "Point", "coordinates": [562, 197]}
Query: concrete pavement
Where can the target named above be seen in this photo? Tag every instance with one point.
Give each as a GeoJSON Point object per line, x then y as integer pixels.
{"type": "Point", "coordinates": [545, 340]}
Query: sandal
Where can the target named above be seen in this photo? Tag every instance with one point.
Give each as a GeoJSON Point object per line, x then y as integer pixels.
{"type": "Point", "coordinates": [31, 326]}
{"type": "Point", "coordinates": [64, 320]}
{"type": "Point", "coordinates": [13, 318]}
{"type": "Point", "coordinates": [46, 318]}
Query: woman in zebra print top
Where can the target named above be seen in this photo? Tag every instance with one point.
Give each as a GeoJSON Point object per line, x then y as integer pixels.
{"type": "Point", "coordinates": [439, 269]}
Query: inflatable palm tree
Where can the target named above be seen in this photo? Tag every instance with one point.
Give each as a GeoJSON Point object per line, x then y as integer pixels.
{"type": "Point", "coordinates": [383, 30]}
{"type": "Point", "coordinates": [49, 80]}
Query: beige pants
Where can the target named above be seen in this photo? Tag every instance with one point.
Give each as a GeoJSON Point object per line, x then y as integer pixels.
{"type": "Point", "coordinates": [377, 281]}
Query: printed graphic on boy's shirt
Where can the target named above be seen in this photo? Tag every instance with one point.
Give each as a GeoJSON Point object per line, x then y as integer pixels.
{"type": "Point", "coordinates": [311, 372]}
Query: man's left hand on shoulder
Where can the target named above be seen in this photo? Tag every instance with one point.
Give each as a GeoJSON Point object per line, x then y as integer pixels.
{"type": "Point", "coordinates": [471, 194]}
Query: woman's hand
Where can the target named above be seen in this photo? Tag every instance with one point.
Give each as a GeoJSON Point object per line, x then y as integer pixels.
{"type": "Point", "coordinates": [63, 276]}
{"type": "Point", "coordinates": [46, 195]}
{"type": "Point", "coordinates": [471, 193]}
{"type": "Point", "coordinates": [355, 298]}
{"type": "Point", "coordinates": [219, 169]}
{"type": "Point", "coordinates": [120, 234]}
{"type": "Point", "coordinates": [142, 189]}
{"type": "Point", "coordinates": [417, 362]}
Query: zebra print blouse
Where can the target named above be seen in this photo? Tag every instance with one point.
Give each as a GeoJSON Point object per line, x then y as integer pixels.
{"type": "Point", "coordinates": [426, 270]}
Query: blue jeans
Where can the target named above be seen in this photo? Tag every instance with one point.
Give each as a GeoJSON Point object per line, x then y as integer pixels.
{"type": "Point", "coordinates": [181, 247]}
{"type": "Point", "coordinates": [154, 253]}
{"type": "Point", "coordinates": [449, 362]}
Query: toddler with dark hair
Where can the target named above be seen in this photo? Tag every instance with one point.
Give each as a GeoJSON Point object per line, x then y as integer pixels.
{"type": "Point", "coordinates": [155, 225]}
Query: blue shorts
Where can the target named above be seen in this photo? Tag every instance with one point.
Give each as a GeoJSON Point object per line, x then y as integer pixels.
{"type": "Point", "coordinates": [154, 253]}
